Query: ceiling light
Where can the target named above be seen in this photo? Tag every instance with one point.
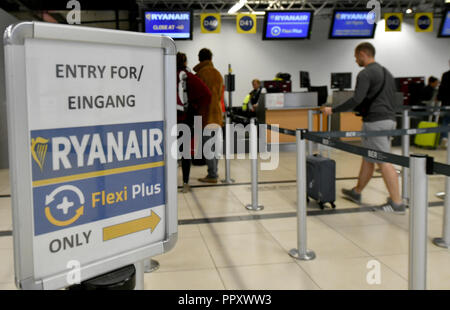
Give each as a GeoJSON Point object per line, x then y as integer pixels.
{"type": "Point", "coordinates": [408, 11]}
{"type": "Point", "coordinates": [237, 6]}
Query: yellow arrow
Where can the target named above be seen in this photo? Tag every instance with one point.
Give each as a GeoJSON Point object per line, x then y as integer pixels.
{"type": "Point", "coordinates": [122, 229]}
{"type": "Point", "coordinates": [54, 221]}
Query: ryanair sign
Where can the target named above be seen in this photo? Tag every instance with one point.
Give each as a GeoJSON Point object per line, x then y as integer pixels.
{"type": "Point", "coordinates": [167, 16]}
{"type": "Point", "coordinates": [354, 16]}
{"type": "Point", "coordinates": [86, 174]}
{"type": "Point", "coordinates": [290, 18]}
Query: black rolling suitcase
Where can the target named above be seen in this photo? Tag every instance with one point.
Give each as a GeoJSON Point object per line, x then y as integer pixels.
{"type": "Point", "coordinates": [321, 178]}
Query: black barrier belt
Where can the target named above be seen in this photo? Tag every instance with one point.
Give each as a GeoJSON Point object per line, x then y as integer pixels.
{"type": "Point", "coordinates": [359, 150]}
{"type": "Point", "coordinates": [381, 133]}
{"type": "Point", "coordinates": [439, 168]}
{"type": "Point", "coordinates": [425, 113]}
{"type": "Point", "coordinates": [281, 130]}
{"type": "Point", "coordinates": [329, 139]}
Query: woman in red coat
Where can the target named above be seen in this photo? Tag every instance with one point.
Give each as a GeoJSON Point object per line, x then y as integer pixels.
{"type": "Point", "coordinates": [193, 99]}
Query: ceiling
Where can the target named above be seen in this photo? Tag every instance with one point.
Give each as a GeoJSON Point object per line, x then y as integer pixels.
{"type": "Point", "coordinates": [126, 14]}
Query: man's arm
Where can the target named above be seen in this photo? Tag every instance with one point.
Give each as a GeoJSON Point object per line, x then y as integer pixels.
{"type": "Point", "coordinates": [361, 89]}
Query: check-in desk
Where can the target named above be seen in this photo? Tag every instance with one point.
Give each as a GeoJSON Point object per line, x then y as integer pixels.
{"type": "Point", "coordinates": [287, 110]}
{"type": "Point", "coordinates": [344, 121]}
{"type": "Point", "coordinates": [348, 121]}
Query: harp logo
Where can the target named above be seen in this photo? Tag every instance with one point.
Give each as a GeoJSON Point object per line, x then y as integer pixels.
{"type": "Point", "coordinates": [39, 147]}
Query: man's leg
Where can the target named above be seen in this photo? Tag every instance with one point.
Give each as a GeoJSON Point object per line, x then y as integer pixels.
{"type": "Point", "coordinates": [365, 174]}
{"type": "Point", "coordinates": [210, 163]}
{"type": "Point", "coordinates": [390, 178]}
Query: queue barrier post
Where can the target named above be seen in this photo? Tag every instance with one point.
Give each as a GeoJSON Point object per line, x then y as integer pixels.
{"type": "Point", "coordinates": [302, 252]}
{"type": "Point", "coordinates": [444, 241]}
{"type": "Point", "coordinates": [417, 269]}
{"type": "Point", "coordinates": [310, 128]}
{"type": "Point", "coordinates": [405, 152]}
{"type": "Point", "coordinates": [228, 179]}
{"type": "Point", "coordinates": [254, 206]}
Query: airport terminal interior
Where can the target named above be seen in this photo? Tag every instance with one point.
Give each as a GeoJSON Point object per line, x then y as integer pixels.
{"type": "Point", "coordinates": [222, 245]}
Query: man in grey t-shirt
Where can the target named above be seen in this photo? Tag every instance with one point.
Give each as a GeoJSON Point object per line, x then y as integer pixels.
{"type": "Point", "coordinates": [377, 84]}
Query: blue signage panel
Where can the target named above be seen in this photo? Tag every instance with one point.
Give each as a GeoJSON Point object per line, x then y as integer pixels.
{"type": "Point", "coordinates": [393, 22]}
{"type": "Point", "coordinates": [445, 26]}
{"type": "Point", "coordinates": [86, 174]}
{"type": "Point", "coordinates": [352, 24]}
{"type": "Point", "coordinates": [175, 24]}
{"type": "Point", "coordinates": [287, 25]}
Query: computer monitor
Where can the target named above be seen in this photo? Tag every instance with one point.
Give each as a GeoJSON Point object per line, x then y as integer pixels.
{"type": "Point", "coordinates": [304, 79]}
{"type": "Point", "coordinates": [341, 81]}
{"type": "Point", "coordinates": [322, 94]}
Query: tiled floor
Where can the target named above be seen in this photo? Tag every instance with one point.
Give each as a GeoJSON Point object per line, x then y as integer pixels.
{"type": "Point", "coordinates": [251, 252]}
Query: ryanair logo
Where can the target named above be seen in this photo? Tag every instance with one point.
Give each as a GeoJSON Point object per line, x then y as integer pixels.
{"type": "Point", "coordinates": [354, 16]}
{"type": "Point", "coordinates": [167, 16]}
{"type": "Point", "coordinates": [290, 18]}
{"type": "Point", "coordinates": [39, 147]}
{"type": "Point", "coordinates": [69, 151]}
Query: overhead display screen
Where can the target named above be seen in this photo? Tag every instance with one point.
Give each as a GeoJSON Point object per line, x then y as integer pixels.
{"type": "Point", "coordinates": [352, 24]}
{"type": "Point", "coordinates": [174, 24]}
{"type": "Point", "coordinates": [444, 31]}
{"type": "Point", "coordinates": [279, 25]}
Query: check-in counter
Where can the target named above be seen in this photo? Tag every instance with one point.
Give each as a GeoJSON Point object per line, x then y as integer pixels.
{"type": "Point", "coordinates": [288, 110]}
{"type": "Point", "coordinates": [348, 121]}
{"type": "Point", "coordinates": [344, 121]}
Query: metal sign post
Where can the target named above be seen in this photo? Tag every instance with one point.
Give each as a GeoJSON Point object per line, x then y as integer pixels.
{"type": "Point", "coordinates": [302, 252]}
{"type": "Point", "coordinates": [418, 214]}
{"type": "Point", "coordinates": [90, 116]}
{"type": "Point", "coordinates": [228, 133]}
{"type": "Point", "coordinates": [405, 152]}
{"type": "Point", "coordinates": [310, 128]}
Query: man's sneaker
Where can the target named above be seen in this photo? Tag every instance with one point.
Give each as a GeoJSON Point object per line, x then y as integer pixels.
{"type": "Point", "coordinates": [208, 180]}
{"type": "Point", "coordinates": [391, 207]}
{"type": "Point", "coordinates": [186, 188]}
{"type": "Point", "coordinates": [352, 195]}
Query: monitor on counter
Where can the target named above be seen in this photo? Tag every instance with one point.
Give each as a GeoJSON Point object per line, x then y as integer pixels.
{"type": "Point", "coordinates": [444, 30]}
{"type": "Point", "coordinates": [285, 25]}
{"type": "Point", "coordinates": [305, 82]}
{"type": "Point", "coordinates": [348, 24]}
{"type": "Point", "coordinates": [174, 24]}
{"type": "Point", "coordinates": [341, 81]}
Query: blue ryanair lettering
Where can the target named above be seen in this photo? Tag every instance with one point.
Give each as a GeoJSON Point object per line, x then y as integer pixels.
{"type": "Point", "coordinates": [289, 18]}
{"type": "Point", "coordinates": [170, 16]}
{"type": "Point", "coordinates": [353, 16]}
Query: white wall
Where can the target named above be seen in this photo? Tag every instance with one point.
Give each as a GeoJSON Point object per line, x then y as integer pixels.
{"type": "Point", "coordinates": [405, 54]}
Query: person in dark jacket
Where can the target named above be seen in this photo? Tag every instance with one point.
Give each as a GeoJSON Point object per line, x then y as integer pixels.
{"type": "Point", "coordinates": [193, 98]}
{"type": "Point", "coordinates": [252, 99]}
{"type": "Point", "coordinates": [374, 95]}
{"type": "Point", "coordinates": [429, 91]}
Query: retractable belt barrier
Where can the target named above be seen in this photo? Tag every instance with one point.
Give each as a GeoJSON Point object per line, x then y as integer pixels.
{"type": "Point", "coordinates": [420, 166]}
{"type": "Point", "coordinates": [329, 139]}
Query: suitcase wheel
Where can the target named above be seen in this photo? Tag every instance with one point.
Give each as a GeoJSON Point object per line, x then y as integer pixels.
{"type": "Point", "coordinates": [333, 205]}
{"type": "Point", "coordinates": [321, 205]}
{"type": "Point", "coordinates": [307, 199]}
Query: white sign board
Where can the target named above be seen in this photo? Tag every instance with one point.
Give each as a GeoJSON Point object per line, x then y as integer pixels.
{"type": "Point", "coordinates": [90, 162]}
{"type": "Point", "coordinates": [274, 100]}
